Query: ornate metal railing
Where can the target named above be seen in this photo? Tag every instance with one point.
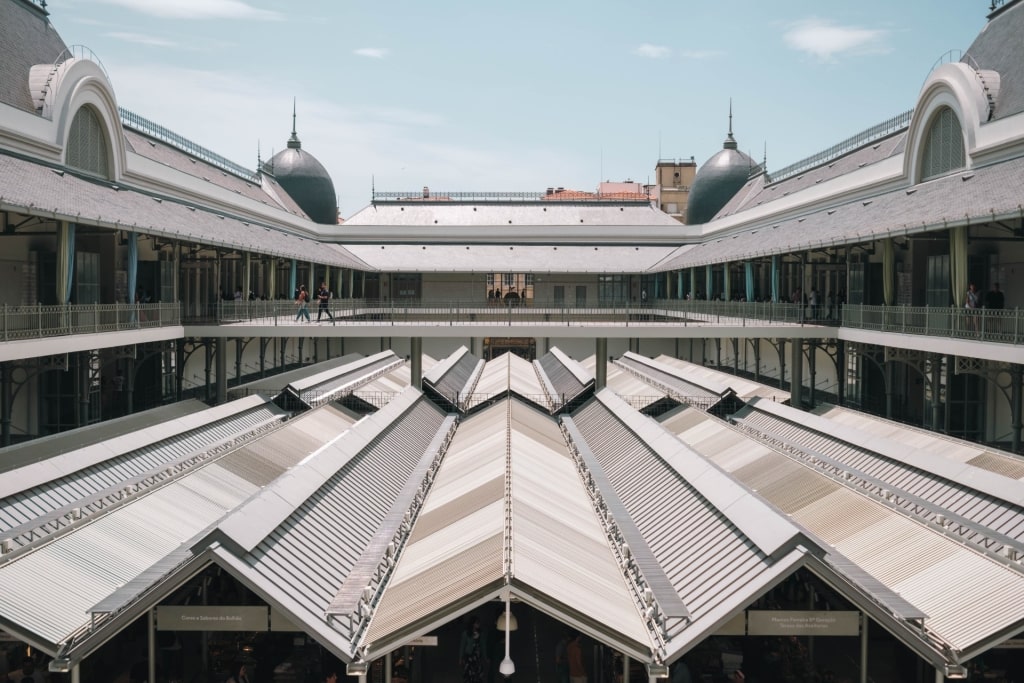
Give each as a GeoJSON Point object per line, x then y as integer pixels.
{"type": "Point", "coordinates": [155, 130]}
{"type": "Point", "coordinates": [37, 322]}
{"type": "Point", "coordinates": [513, 313]}
{"type": "Point", "coordinates": [876, 132]}
{"type": "Point", "coordinates": [1004, 326]}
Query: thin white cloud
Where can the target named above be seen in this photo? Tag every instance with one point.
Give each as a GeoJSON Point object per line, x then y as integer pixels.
{"type": "Point", "coordinates": [652, 51]}
{"type": "Point", "coordinates": [402, 148]}
{"type": "Point", "coordinates": [140, 39]}
{"type": "Point", "coordinates": [826, 39]}
{"type": "Point", "coordinates": [372, 52]}
{"type": "Point", "coordinates": [701, 54]}
{"type": "Point", "coordinates": [197, 9]}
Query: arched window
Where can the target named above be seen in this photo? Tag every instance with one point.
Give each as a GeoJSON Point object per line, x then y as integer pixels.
{"type": "Point", "coordinates": [87, 144]}
{"type": "Point", "coordinates": [943, 146]}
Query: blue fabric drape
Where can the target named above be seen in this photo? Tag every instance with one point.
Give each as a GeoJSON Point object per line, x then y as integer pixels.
{"type": "Point", "coordinates": [133, 265]}
{"type": "Point", "coordinates": [748, 268]}
{"type": "Point", "coordinates": [775, 278]}
{"type": "Point", "coordinates": [65, 261]}
{"type": "Point", "coordinates": [292, 284]}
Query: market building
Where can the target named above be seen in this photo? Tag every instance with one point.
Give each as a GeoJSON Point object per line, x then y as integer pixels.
{"type": "Point", "coordinates": [772, 437]}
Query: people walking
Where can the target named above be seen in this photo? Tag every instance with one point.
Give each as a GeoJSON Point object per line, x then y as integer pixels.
{"type": "Point", "coordinates": [302, 301]}
{"type": "Point", "coordinates": [323, 295]}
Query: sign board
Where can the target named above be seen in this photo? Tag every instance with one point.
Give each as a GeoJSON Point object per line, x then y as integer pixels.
{"type": "Point", "coordinates": [211, 618]}
{"type": "Point", "coordinates": [737, 626]}
{"type": "Point", "coordinates": [797, 623]}
{"type": "Point", "coordinates": [424, 641]}
{"type": "Point", "coordinates": [279, 622]}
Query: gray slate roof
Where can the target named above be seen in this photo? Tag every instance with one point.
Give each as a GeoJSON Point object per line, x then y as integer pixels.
{"type": "Point", "coordinates": [974, 196]}
{"type": "Point", "coordinates": [39, 190]}
{"type": "Point", "coordinates": [761, 190]}
{"type": "Point", "coordinates": [999, 47]}
{"type": "Point", "coordinates": [165, 154]}
{"type": "Point", "coordinates": [509, 216]}
{"type": "Point", "coordinates": [27, 38]}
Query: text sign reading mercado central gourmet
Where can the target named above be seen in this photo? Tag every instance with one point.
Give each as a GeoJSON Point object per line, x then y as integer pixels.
{"type": "Point", "coordinates": [794, 623]}
{"type": "Point", "coordinates": [206, 618]}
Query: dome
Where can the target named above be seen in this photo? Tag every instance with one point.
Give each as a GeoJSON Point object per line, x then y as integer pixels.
{"type": "Point", "coordinates": [717, 181]}
{"type": "Point", "coordinates": [306, 180]}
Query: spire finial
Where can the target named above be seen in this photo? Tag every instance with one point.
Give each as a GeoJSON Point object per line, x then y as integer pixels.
{"type": "Point", "coordinates": [293, 141]}
{"type": "Point", "coordinates": [259, 156]}
{"type": "Point", "coordinates": [730, 141]}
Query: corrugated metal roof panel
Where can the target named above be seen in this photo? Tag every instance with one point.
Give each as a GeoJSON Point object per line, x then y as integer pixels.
{"type": "Point", "coordinates": [303, 561]}
{"type": "Point", "coordinates": [745, 389]}
{"type": "Point", "coordinates": [77, 488]}
{"type": "Point", "coordinates": [713, 566]}
{"type": "Point", "coordinates": [977, 455]}
{"type": "Point", "coordinates": [980, 496]}
{"type": "Point", "coordinates": [889, 545]}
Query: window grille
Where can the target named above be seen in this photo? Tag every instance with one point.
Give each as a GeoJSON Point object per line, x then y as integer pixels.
{"type": "Point", "coordinates": [87, 144]}
{"type": "Point", "coordinates": [943, 146]}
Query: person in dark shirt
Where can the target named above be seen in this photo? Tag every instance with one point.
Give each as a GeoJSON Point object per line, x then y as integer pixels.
{"type": "Point", "coordinates": [994, 297]}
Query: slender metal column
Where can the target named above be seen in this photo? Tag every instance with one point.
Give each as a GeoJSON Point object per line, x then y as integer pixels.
{"type": "Point", "coordinates": [864, 621]}
{"type": "Point", "coordinates": [151, 649]}
{"type": "Point", "coordinates": [5, 404]}
{"type": "Point", "coordinates": [222, 371]}
{"type": "Point", "coordinates": [1015, 400]}
{"type": "Point", "coordinates": [416, 361]}
{"type": "Point", "coordinates": [601, 363]}
{"type": "Point", "coordinates": [889, 381]}
{"type": "Point", "coordinates": [812, 351]}
{"type": "Point", "coordinates": [796, 385]}
{"type": "Point", "coordinates": [782, 363]}
{"type": "Point", "coordinates": [936, 373]}
{"type": "Point", "coordinates": [841, 370]}
{"type": "Point", "coordinates": [208, 349]}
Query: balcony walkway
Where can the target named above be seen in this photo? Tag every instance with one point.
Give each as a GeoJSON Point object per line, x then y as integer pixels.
{"type": "Point", "coordinates": [35, 331]}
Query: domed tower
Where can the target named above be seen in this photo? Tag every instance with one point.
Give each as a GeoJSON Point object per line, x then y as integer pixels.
{"type": "Point", "coordinates": [305, 179]}
{"type": "Point", "coordinates": [718, 180]}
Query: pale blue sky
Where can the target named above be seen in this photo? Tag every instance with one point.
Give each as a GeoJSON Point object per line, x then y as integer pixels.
{"type": "Point", "coordinates": [515, 95]}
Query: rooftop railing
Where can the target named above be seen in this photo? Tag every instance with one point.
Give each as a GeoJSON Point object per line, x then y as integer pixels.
{"type": "Point", "coordinates": [876, 132]}
{"type": "Point", "coordinates": [155, 130]}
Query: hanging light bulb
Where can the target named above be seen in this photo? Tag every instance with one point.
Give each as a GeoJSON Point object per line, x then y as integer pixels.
{"type": "Point", "coordinates": [507, 623]}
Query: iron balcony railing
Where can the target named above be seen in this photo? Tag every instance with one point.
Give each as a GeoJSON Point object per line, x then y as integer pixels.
{"type": "Point", "coordinates": [1005, 326]}
{"type": "Point", "coordinates": [37, 322]}
{"type": "Point", "coordinates": [362, 312]}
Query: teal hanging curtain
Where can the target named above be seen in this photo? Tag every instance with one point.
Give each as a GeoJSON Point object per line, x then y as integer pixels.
{"type": "Point", "coordinates": [748, 272]}
{"type": "Point", "coordinates": [775, 278]}
{"type": "Point", "coordinates": [888, 272]}
{"type": "Point", "coordinates": [679, 284]}
{"type": "Point", "coordinates": [65, 261]}
{"type": "Point", "coordinates": [292, 283]}
{"type": "Point", "coordinates": [133, 265]}
{"type": "Point", "coordinates": [958, 264]}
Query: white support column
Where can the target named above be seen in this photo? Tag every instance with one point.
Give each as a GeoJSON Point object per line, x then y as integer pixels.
{"type": "Point", "coordinates": [151, 649]}
{"type": "Point", "coordinates": [864, 621]}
